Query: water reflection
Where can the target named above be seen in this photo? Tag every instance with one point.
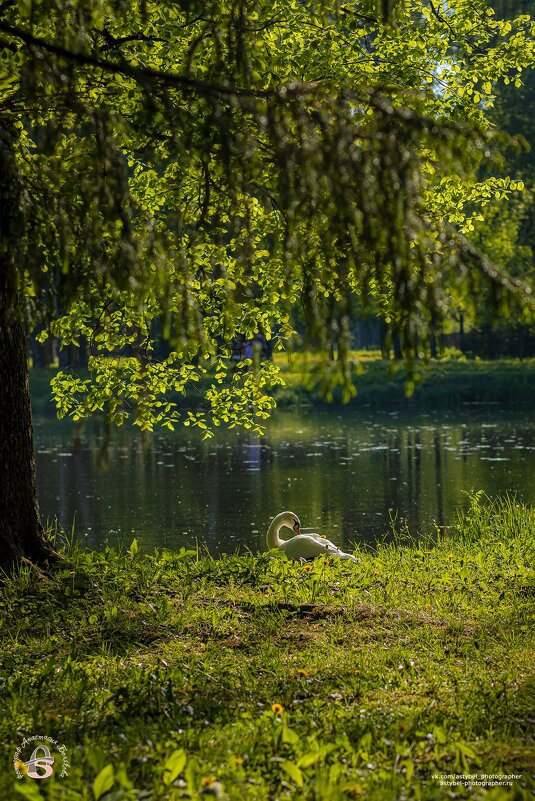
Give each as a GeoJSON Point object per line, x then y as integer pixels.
{"type": "Point", "coordinates": [344, 473]}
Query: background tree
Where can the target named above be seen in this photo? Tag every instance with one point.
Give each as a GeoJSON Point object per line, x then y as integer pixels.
{"type": "Point", "coordinates": [207, 165]}
{"type": "Point", "coordinates": [508, 230]}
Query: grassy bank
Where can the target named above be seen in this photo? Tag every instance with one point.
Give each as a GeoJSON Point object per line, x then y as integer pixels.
{"type": "Point", "coordinates": [440, 382]}
{"type": "Point", "coordinates": [169, 676]}
{"type": "Point", "coordinates": [381, 384]}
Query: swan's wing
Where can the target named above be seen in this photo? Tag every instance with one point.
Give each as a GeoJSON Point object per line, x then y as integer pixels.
{"type": "Point", "coordinates": [310, 534]}
{"type": "Point", "coordinates": [347, 556]}
{"type": "Point", "coordinates": [331, 547]}
{"type": "Point", "coordinates": [327, 545]}
{"type": "Point", "coordinates": [319, 538]}
{"type": "Point", "coordinates": [304, 547]}
{"type": "Point", "coordinates": [332, 550]}
{"type": "Point", "coordinates": [328, 548]}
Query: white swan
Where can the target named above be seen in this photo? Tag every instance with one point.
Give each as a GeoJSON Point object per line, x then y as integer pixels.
{"type": "Point", "coordinates": [301, 546]}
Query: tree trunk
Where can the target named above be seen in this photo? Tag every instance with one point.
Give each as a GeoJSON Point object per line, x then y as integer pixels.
{"type": "Point", "coordinates": [21, 532]}
{"type": "Point", "coordinates": [396, 344]}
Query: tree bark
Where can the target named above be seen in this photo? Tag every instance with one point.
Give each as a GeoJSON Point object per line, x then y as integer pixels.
{"type": "Point", "coordinates": [21, 532]}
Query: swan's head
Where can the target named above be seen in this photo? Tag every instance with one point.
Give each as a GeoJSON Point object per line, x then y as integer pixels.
{"type": "Point", "coordinates": [283, 520]}
{"type": "Point", "coordinates": [290, 520]}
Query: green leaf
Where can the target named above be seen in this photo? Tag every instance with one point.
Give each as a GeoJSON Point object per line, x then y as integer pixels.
{"type": "Point", "coordinates": [309, 759]}
{"type": "Point", "coordinates": [134, 547]}
{"type": "Point", "coordinates": [466, 750]}
{"type": "Point", "coordinates": [174, 765]}
{"type": "Point", "coordinates": [104, 781]}
{"type": "Point", "coordinates": [28, 789]}
{"type": "Point", "coordinates": [293, 772]}
{"type": "Point", "coordinates": [409, 769]}
{"type": "Point", "coordinates": [289, 736]}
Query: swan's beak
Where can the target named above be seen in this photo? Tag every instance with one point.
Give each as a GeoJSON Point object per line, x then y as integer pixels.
{"type": "Point", "coordinates": [296, 527]}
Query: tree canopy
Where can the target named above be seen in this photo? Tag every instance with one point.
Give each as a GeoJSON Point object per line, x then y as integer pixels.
{"type": "Point", "coordinates": [208, 165]}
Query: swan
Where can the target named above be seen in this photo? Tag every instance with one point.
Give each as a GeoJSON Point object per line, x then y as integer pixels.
{"type": "Point", "coordinates": [301, 546]}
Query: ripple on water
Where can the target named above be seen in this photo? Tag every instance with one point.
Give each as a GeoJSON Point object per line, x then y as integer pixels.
{"type": "Point", "coordinates": [419, 467]}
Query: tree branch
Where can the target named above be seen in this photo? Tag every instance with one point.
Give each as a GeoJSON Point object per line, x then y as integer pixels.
{"type": "Point", "coordinates": [442, 19]}
{"type": "Point", "coordinates": [112, 43]}
{"type": "Point", "coordinates": [140, 74]}
{"type": "Point", "coordinates": [143, 75]}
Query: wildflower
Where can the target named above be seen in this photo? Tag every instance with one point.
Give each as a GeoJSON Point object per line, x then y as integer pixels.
{"type": "Point", "coordinates": [302, 672]}
{"type": "Point", "coordinates": [276, 709]}
{"type": "Point", "coordinates": [354, 789]}
{"type": "Point", "coordinates": [239, 761]}
{"type": "Point", "coordinates": [206, 780]}
{"type": "Point", "coordinates": [307, 567]}
{"type": "Point", "coordinates": [21, 767]}
{"type": "Point", "coordinates": [404, 726]}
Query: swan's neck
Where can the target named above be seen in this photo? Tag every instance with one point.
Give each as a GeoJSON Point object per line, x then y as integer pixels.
{"type": "Point", "coordinates": [273, 539]}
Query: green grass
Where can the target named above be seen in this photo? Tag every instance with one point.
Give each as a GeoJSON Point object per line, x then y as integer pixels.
{"type": "Point", "coordinates": [159, 673]}
{"type": "Point", "coordinates": [444, 382]}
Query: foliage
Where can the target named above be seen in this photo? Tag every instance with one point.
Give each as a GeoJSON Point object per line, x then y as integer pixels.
{"type": "Point", "coordinates": [505, 231]}
{"type": "Point", "coordinates": [169, 674]}
{"type": "Point", "coordinates": [210, 165]}
{"type": "Point", "coordinates": [513, 106]}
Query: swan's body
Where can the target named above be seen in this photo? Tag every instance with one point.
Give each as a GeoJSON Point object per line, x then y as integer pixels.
{"type": "Point", "coordinates": [301, 546]}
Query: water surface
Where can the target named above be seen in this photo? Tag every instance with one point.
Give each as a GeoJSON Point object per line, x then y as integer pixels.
{"type": "Point", "coordinates": [345, 473]}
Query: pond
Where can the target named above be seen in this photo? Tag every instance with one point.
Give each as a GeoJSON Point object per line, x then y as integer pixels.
{"type": "Point", "coordinates": [346, 473]}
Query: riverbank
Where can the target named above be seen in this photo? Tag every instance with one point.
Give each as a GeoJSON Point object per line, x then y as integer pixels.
{"type": "Point", "coordinates": [440, 382]}
{"type": "Point", "coordinates": [380, 384]}
{"type": "Point", "coordinates": [251, 678]}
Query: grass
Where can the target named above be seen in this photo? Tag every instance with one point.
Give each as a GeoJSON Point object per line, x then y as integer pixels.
{"type": "Point", "coordinates": [445, 382]}
{"type": "Point", "coordinates": [174, 675]}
